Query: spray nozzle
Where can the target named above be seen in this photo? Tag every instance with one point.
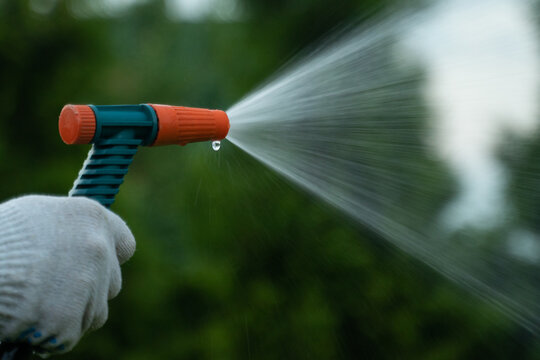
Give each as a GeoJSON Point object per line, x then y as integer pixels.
{"type": "Point", "coordinates": [116, 131]}
{"type": "Point", "coordinates": [150, 123]}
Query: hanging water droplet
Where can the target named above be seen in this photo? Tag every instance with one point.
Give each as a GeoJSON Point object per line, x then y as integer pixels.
{"type": "Point", "coordinates": [216, 145]}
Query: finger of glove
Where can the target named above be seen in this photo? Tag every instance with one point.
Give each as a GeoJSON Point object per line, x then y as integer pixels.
{"type": "Point", "coordinates": [39, 337]}
{"type": "Point", "coordinates": [96, 311]}
{"type": "Point", "coordinates": [57, 336]}
{"type": "Point", "coordinates": [56, 345]}
{"type": "Point", "coordinates": [100, 316]}
{"type": "Point", "coordinates": [53, 345]}
{"type": "Point", "coordinates": [123, 238]}
{"type": "Point", "coordinates": [115, 281]}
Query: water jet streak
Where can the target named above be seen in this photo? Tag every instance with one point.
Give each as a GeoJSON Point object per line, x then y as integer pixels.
{"type": "Point", "coordinates": [421, 127]}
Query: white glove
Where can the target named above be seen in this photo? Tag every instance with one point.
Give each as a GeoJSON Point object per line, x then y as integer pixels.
{"type": "Point", "coordinates": [59, 264]}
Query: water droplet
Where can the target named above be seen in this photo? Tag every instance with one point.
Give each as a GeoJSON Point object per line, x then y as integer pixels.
{"type": "Point", "coordinates": [216, 145]}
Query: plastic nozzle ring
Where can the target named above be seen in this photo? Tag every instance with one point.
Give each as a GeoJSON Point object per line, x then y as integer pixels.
{"type": "Point", "coordinates": [183, 125]}
{"type": "Point", "coordinates": [77, 124]}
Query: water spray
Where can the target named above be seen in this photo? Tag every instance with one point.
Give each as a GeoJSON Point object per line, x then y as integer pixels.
{"type": "Point", "coordinates": [116, 132]}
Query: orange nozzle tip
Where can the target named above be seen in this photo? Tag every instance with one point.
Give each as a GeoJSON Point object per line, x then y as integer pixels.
{"type": "Point", "coordinates": [77, 124]}
{"type": "Point", "coordinates": [222, 124]}
{"type": "Point", "coordinates": [183, 125]}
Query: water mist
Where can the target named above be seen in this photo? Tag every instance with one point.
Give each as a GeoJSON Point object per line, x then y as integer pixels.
{"type": "Point", "coordinates": [418, 124]}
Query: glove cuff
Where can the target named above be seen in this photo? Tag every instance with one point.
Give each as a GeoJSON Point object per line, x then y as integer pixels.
{"type": "Point", "coordinates": [15, 256]}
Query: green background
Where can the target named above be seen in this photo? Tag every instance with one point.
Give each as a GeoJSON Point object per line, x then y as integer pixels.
{"type": "Point", "coordinates": [233, 262]}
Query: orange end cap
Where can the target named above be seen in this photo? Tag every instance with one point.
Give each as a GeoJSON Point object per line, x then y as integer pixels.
{"type": "Point", "coordinates": [77, 124]}
{"type": "Point", "coordinates": [184, 125]}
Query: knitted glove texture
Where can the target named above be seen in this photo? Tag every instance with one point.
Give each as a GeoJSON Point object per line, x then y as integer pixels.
{"type": "Point", "coordinates": [59, 265]}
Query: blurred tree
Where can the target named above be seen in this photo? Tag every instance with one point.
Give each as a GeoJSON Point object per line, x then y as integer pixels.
{"type": "Point", "coordinates": [43, 60]}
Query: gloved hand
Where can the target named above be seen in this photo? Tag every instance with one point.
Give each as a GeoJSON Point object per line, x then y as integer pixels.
{"type": "Point", "coordinates": [59, 264]}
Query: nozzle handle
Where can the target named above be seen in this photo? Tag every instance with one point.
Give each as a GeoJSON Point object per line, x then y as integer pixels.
{"type": "Point", "coordinates": [116, 132]}
{"type": "Point", "coordinates": [103, 171]}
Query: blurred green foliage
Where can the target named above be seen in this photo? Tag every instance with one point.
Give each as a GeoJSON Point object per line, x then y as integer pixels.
{"type": "Point", "coordinates": [233, 262]}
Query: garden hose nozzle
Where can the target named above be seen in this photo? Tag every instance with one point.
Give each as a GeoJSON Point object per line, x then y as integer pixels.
{"type": "Point", "coordinates": [116, 132]}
